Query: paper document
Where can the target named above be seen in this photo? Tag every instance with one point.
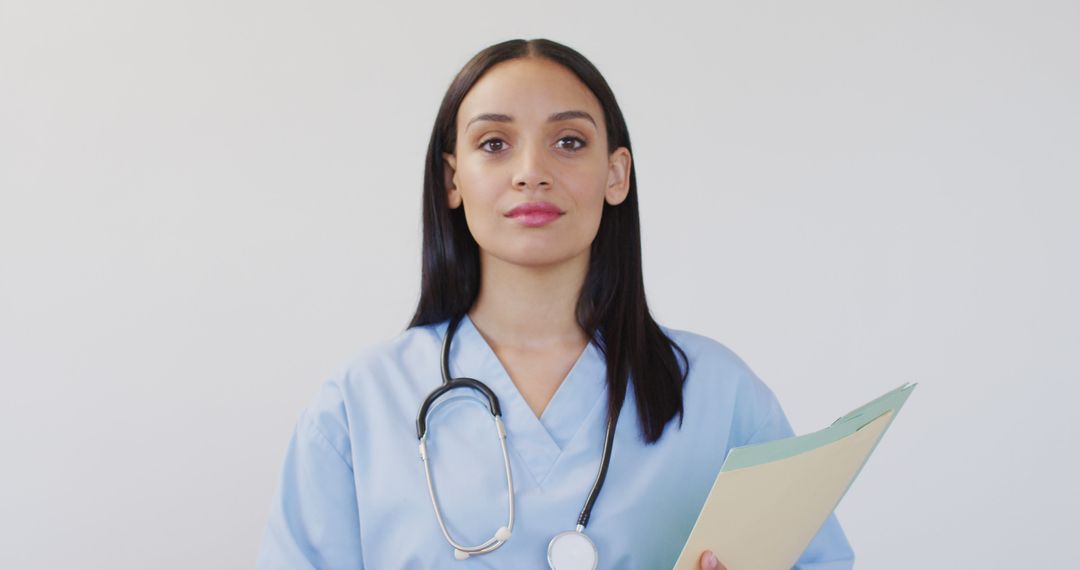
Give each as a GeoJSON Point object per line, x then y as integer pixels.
{"type": "Point", "coordinates": [770, 499]}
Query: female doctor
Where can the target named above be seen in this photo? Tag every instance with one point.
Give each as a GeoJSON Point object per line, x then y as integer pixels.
{"type": "Point", "coordinates": [559, 424]}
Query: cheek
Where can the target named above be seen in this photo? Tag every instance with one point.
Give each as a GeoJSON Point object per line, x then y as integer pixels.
{"type": "Point", "coordinates": [480, 194]}
{"type": "Point", "coordinates": [479, 190]}
{"type": "Point", "coordinates": [589, 205]}
{"type": "Point", "coordinates": [589, 190]}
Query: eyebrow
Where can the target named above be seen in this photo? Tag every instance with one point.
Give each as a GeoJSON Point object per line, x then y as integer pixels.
{"type": "Point", "coordinates": [553, 118]}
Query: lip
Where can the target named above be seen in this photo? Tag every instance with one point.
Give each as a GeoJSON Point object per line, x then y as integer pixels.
{"type": "Point", "coordinates": [531, 208]}
{"type": "Point", "coordinates": [535, 214]}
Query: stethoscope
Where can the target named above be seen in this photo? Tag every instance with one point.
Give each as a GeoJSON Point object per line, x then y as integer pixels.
{"type": "Point", "coordinates": [568, 550]}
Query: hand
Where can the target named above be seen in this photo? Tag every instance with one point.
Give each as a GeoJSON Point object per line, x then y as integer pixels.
{"type": "Point", "coordinates": [708, 561]}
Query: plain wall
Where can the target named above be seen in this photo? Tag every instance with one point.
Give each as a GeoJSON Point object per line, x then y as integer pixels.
{"type": "Point", "coordinates": [207, 207]}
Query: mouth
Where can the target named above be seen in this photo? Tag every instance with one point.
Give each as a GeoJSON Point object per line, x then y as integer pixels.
{"type": "Point", "coordinates": [535, 214]}
{"type": "Point", "coordinates": [530, 208]}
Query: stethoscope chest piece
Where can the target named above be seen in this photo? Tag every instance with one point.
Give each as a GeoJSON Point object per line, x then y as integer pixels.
{"type": "Point", "coordinates": [572, 550]}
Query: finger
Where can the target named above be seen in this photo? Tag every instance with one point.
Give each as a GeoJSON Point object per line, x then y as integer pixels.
{"type": "Point", "coordinates": [708, 561]}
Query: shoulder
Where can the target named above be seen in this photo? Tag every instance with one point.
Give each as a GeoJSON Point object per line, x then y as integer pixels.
{"type": "Point", "coordinates": [721, 380]}
{"type": "Point", "coordinates": [705, 351]}
{"type": "Point", "coordinates": [713, 360]}
{"type": "Point", "coordinates": [372, 376]}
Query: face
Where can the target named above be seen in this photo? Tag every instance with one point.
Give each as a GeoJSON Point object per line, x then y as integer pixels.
{"type": "Point", "coordinates": [530, 131]}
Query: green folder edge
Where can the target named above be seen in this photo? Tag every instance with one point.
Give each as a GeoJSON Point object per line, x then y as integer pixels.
{"type": "Point", "coordinates": [756, 454]}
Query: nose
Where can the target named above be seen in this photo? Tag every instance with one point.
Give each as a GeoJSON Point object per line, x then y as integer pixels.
{"type": "Point", "coordinates": [531, 170]}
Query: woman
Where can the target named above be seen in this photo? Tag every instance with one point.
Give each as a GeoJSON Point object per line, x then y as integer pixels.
{"type": "Point", "coordinates": [531, 257]}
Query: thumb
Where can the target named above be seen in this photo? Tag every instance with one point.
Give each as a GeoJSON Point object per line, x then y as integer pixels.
{"type": "Point", "coordinates": [709, 561]}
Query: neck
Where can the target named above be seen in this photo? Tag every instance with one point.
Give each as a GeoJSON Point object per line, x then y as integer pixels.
{"type": "Point", "coordinates": [530, 308]}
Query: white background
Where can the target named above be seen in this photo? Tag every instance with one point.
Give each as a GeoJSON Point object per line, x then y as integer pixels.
{"type": "Point", "coordinates": [207, 207]}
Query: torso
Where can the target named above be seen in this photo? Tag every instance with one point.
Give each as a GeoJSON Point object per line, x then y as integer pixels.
{"type": "Point", "coordinates": [651, 495]}
{"type": "Point", "coordinates": [360, 432]}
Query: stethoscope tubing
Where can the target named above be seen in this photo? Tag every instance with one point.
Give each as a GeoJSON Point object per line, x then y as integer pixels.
{"type": "Point", "coordinates": [449, 383]}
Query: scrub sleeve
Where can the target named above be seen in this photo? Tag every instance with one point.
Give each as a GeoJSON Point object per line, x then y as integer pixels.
{"type": "Point", "coordinates": [313, 520]}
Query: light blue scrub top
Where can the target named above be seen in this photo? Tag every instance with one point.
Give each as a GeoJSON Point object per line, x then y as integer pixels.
{"type": "Point", "coordinates": [352, 493]}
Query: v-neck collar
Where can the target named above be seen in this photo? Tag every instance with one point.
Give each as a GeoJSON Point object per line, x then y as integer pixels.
{"type": "Point", "coordinates": [537, 441]}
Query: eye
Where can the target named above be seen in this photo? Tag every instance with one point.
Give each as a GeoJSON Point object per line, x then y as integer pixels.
{"type": "Point", "coordinates": [493, 140]}
{"type": "Point", "coordinates": [570, 138]}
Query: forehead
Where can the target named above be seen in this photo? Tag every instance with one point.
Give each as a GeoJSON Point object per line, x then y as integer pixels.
{"type": "Point", "coordinates": [528, 89]}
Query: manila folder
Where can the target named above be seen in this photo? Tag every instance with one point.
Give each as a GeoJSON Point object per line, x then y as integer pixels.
{"type": "Point", "coordinates": [762, 517]}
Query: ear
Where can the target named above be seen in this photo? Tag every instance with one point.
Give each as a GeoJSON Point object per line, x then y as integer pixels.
{"type": "Point", "coordinates": [453, 197]}
{"type": "Point", "coordinates": [618, 182]}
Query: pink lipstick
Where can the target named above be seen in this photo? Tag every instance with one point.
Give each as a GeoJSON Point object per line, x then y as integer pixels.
{"type": "Point", "coordinates": [535, 214]}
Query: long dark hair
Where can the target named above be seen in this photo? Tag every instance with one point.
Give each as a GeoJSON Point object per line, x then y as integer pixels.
{"type": "Point", "coordinates": [612, 299]}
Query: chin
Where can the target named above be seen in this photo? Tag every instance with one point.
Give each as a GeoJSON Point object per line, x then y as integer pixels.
{"type": "Point", "coordinates": [540, 256]}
